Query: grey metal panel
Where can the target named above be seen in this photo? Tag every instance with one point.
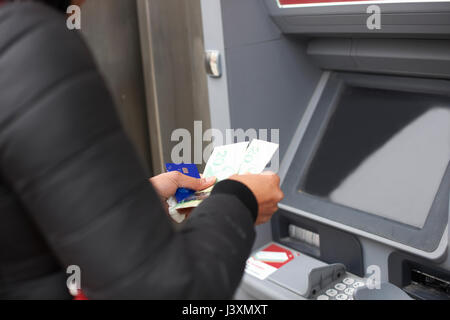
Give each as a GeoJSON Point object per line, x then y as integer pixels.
{"type": "Point", "coordinates": [332, 53]}
{"type": "Point", "coordinates": [303, 267]}
{"type": "Point", "coordinates": [263, 235]}
{"type": "Point", "coordinates": [247, 22]}
{"type": "Point", "coordinates": [218, 87]}
{"type": "Point", "coordinates": [253, 288]}
{"type": "Point", "coordinates": [376, 254]}
{"type": "Point", "coordinates": [254, 47]}
{"type": "Point", "coordinates": [407, 19]}
{"type": "Point", "coordinates": [412, 57]}
{"type": "Point", "coordinates": [270, 85]}
{"type": "Point", "coordinates": [424, 58]}
{"type": "Point", "coordinates": [387, 291]}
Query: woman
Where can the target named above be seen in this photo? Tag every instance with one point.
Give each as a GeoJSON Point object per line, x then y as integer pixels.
{"type": "Point", "coordinates": [72, 191]}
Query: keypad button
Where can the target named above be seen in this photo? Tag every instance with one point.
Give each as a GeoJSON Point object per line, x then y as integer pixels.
{"type": "Point", "coordinates": [341, 296]}
{"type": "Point", "coordinates": [358, 284]}
{"type": "Point", "coordinates": [323, 297]}
{"type": "Point", "coordinates": [331, 292]}
{"type": "Point", "coordinates": [340, 286]}
{"type": "Point", "coordinates": [348, 281]}
{"type": "Point", "coordinates": [349, 291]}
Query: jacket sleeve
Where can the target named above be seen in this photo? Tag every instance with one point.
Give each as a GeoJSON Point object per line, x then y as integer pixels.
{"type": "Point", "coordinates": [65, 155]}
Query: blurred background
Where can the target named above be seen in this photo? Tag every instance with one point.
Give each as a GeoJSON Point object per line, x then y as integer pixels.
{"type": "Point", "coordinates": [152, 56]}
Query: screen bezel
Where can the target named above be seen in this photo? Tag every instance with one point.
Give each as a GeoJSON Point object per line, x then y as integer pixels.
{"type": "Point", "coordinates": [425, 239]}
{"type": "Point", "coordinates": [351, 19]}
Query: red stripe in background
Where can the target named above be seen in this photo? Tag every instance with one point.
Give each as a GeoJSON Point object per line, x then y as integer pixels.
{"type": "Point", "coordinates": [293, 2]}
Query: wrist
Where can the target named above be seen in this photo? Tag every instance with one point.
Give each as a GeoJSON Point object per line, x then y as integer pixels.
{"type": "Point", "coordinates": [241, 191]}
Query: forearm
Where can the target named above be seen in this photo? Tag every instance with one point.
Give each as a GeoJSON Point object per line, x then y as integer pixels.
{"type": "Point", "coordinates": [205, 260]}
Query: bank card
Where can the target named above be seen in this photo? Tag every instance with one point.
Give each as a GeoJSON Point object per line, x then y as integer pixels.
{"type": "Point", "coordinates": [186, 169]}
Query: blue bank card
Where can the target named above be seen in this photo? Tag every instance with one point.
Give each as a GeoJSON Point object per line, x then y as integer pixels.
{"type": "Point", "coordinates": [186, 169]}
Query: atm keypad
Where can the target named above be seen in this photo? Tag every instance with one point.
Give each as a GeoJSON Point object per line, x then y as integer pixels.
{"type": "Point", "coordinates": [331, 292]}
{"type": "Point", "coordinates": [342, 296]}
{"type": "Point", "coordinates": [358, 284]}
{"type": "Point", "coordinates": [349, 291]}
{"type": "Point", "coordinates": [340, 286]}
{"type": "Point", "coordinates": [348, 281]}
{"type": "Point", "coordinates": [341, 290]}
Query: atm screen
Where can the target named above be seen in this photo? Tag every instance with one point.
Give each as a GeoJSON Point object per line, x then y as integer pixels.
{"type": "Point", "coordinates": [383, 152]}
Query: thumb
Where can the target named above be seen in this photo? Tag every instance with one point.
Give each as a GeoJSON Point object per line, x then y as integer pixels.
{"type": "Point", "coordinates": [184, 181]}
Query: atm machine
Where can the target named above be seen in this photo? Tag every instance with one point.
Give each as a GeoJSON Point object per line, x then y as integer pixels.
{"type": "Point", "coordinates": [363, 113]}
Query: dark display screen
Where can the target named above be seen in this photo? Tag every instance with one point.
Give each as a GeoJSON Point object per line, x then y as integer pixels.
{"type": "Point", "coordinates": [383, 152]}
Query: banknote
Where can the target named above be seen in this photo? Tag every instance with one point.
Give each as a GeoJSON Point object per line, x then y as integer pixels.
{"type": "Point", "coordinates": [194, 200]}
{"type": "Point", "coordinates": [257, 156]}
{"type": "Point", "coordinates": [225, 161]}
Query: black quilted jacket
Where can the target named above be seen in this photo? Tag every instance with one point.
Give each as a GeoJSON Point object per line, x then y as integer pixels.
{"type": "Point", "coordinates": [72, 191]}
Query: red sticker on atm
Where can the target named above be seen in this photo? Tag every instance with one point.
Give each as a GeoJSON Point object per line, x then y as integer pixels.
{"type": "Point", "coordinates": [268, 260]}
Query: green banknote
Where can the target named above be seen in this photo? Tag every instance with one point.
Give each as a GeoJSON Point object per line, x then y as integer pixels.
{"type": "Point", "coordinates": [257, 156]}
{"type": "Point", "coordinates": [225, 161]}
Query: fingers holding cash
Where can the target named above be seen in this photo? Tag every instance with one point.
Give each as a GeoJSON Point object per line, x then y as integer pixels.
{"type": "Point", "coordinates": [267, 191]}
{"type": "Point", "coordinates": [184, 181]}
{"type": "Point", "coordinates": [245, 163]}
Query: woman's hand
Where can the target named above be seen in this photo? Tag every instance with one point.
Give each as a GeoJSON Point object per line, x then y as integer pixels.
{"type": "Point", "coordinates": [267, 191]}
{"type": "Point", "coordinates": [166, 184]}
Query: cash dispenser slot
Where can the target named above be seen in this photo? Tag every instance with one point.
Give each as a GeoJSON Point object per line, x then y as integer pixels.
{"type": "Point", "coordinates": [304, 236]}
{"type": "Point", "coordinates": [428, 286]}
{"type": "Point", "coordinates": [419, 278]}
{"type": "Point", "coordinates": [319, 241]}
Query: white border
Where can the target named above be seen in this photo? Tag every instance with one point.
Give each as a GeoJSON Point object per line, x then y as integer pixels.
{"type": "Point", "coordinates": [327, 4]}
